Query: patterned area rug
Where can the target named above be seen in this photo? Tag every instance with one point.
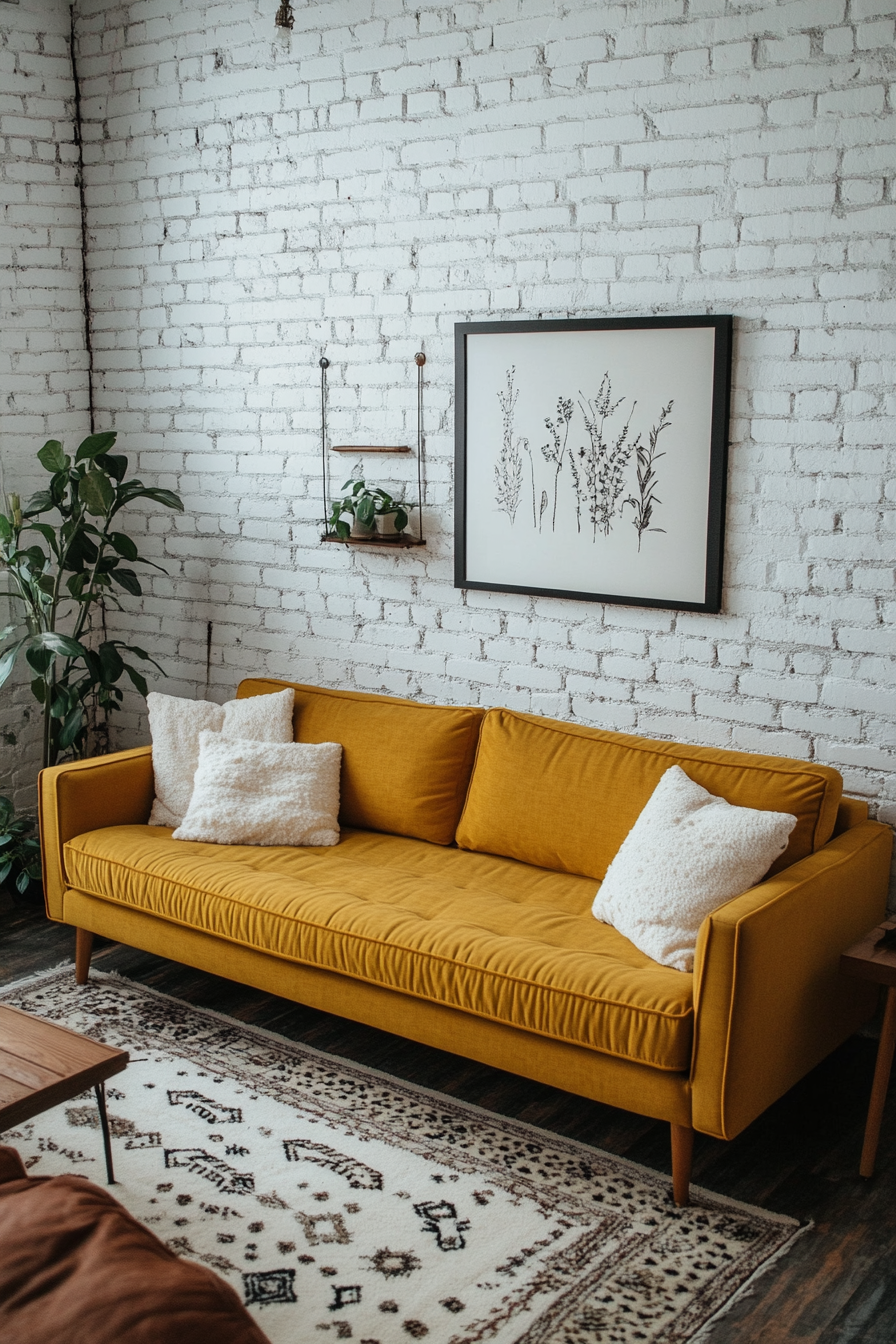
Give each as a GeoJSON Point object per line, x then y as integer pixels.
{"type": "Point", "coordinates": [344, 1204]}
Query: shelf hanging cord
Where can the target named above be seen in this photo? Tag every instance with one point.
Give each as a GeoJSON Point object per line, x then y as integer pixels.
{"type": "Point", "coordinates": [420, 360]}
{"type": "Point", "coordinates": [324, 365]}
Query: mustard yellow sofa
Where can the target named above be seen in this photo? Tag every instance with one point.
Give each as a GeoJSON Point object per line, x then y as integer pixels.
{"type": "Point", "coordinates": [456, 909]}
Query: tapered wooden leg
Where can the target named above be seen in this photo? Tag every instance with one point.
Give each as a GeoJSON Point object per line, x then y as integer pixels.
{"type": "Point", "coordinates": [879, 1086]}
{"type": "Point", "coordinates": [83, 949]}
{"type": "Point", "coordinates": [682, 1152]}
{"type": "Point", "coordinates": [100, 1091]}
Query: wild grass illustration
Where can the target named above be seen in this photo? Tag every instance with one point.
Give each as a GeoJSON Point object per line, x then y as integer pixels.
{"type": "Point", "coordinates": [606, 457]}
{"type": "Point", "coordinates": [509, 466]}
{"type": "Point", "coordinates": [599, 472]}
{"type": "Point", "coordinates": [577, 486]}
{"type": "Point", "coordinates": [555, 451]}
{"type": "Point", "coordinates": [646, 459]}
{"type": "Point", "coordinates": [528, 451]}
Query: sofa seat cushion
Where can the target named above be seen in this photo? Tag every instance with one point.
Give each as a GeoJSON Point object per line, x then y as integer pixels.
{"type": "Point", "coordinates": [488, 935]}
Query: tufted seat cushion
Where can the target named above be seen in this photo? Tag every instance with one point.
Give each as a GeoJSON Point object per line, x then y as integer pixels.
{"type": "Point", "coordinates": [488, 935]}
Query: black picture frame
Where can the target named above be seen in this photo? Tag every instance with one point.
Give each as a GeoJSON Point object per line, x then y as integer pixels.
{"type": "Point", "coordinates": [603, 400]}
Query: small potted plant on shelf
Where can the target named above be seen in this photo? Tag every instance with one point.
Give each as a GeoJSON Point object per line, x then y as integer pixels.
{"type": "Point", "coordinates": [391, 514]}
{"type": "Point", "coordinates": [360, 505]}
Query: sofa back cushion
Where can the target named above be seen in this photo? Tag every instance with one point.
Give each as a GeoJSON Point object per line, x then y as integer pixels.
{"type": "Point", "coordinates": [405, 766]}
{"type": "Point", "coordinates": [565, 797]}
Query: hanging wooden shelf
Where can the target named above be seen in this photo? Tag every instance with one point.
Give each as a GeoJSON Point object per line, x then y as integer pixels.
{"type": "Point", "coordinates": [397, 543]}
{"type": "Point", "coordinates": [365, 448]}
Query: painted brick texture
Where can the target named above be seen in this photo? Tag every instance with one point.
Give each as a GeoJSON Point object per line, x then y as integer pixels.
{"type": "Point", "coordinates": [355, 188]}
{"type": "Point", "coordinates": [43, 361]}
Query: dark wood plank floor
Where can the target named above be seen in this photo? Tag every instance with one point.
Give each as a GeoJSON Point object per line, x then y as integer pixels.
{"type": "Point", "coordinates": [800, 1158]}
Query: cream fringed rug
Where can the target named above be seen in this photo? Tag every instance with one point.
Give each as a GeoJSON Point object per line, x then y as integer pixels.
{"type": "Point", "coordinates": [344, 1204]}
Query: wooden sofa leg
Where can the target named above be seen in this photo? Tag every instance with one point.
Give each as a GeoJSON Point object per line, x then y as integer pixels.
{"type": "Point", "coordinates": [83, 949]}
{"type": "Point", "coordinates": [682, 1152]}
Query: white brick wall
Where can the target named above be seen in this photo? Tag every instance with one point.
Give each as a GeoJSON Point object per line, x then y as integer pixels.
{"type": "Point", "coordinates": [43, 362]}
{"type": "Point", "coordinates": [391, 168]}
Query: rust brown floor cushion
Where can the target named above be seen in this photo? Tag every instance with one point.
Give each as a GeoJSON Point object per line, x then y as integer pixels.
{"type": "Point", "coordinates": [76, 1268]}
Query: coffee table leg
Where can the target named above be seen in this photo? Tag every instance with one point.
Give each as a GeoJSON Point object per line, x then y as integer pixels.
{"type": "Point", "coordinates": [100, 1091]}
{"type": "Point", "coordinates": [879, 1086]}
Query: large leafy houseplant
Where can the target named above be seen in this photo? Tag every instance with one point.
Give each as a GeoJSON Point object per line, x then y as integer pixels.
{"type": "Point", "coordinates": [62, 572]}
{"type": "Point", "coordinates": [19, 848]}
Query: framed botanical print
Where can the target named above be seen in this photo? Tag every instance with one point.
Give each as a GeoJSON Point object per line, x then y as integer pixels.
{"type": "Point", "coordinates": [591, 458]}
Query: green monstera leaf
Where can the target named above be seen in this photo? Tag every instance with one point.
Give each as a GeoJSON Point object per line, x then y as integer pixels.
{"type": "Point", "coordinates": [97, 493]}
{"type": "Point", "coordinates": [88, 563]}
{"type": "Point", "coordinates": [52, 456]}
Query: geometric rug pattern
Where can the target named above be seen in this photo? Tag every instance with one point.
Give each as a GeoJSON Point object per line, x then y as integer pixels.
{"type": "Point", "coordinates": [343, 1204]}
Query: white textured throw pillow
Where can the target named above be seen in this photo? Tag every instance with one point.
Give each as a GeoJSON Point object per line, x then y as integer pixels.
{"type": "Point", "coordinates": [175, 725]}
{"type": "Point", "coordinates": [688, 853]}
{"type": "Point", "coordinates": [263, 793]}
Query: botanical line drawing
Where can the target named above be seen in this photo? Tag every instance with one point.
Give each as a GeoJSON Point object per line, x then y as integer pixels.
{"type": "Point", "coordinates": [646, 459]}
{"type": "Point", "coordinates": [528, 451]}
{"type": "Point", "coordinates": [604, 462]}
{"type": "Point", "coordinates": [599, 474]}
{"type": "Point", "coordinates": [555, 451]}
{"type": "Point", "coordinates": [509, 466]}
{"type": "Point", "coordinates": [577, 487]}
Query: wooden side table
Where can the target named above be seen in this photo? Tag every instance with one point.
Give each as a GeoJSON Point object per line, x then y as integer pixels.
{"type": "Point", "coordinates": [42, 1065]}
{"type": "Point", "coordinates": [865, 961]}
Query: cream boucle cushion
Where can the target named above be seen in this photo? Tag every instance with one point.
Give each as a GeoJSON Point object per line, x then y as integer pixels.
{"type": "Point", "coordinates": [262, 793]}
{"type": "Point", "coordinates": [175, 725]}
{"type": "Point", "coordinates": [688, 853]}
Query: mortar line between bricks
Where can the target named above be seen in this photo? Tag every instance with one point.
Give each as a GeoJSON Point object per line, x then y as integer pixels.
{"type": "Point", "coordinates": [85, 276]}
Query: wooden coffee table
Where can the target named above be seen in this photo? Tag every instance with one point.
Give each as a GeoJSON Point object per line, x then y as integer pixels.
{"type": "Point", "coordinates": [866, 961]}
{"type": "Point", "coordinates": [42, 1065]}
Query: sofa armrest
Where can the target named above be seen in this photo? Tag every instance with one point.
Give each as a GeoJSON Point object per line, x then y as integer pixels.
{"type": "Point", "coordinates": [81, 796]}
{"type": "Point", "coordinates": [770, 1001]}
